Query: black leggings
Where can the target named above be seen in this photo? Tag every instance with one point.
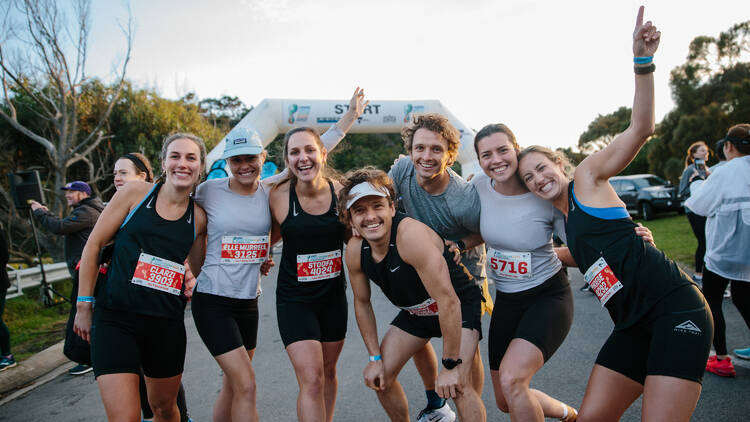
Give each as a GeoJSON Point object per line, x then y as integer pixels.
{"type": "Point", "coordinates": [698, 224]}
{"type": "Point", "coordinates": [146, 408]}
{"type": "Point", "coordinates": [713, 289]}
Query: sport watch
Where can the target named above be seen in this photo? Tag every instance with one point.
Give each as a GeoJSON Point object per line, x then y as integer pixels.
{"type": "Point", "coordinates": [451, 363]}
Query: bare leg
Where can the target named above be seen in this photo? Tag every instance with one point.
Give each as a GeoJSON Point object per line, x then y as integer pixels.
{"type": "Point", "coordinates": [162, 394]}
{"type": "Point", "coordinates": [397, 348]}
{"type": "Point", "coordinates": [468, 404]}
{"type": "Point", "coordinates": [236, 401]}
{"type": "Point", "coordinates": [120, 396]}
{"type": "Point", "coordinates": [608, 395]}
{"type": "Point", "coordinates": [307, 360]}
{"type": "Point", "coordinates": [669, 398]}
{"type": "Point", "coordinates": [427, 365]}
{"type": "Point", "coordinates": [331, 352]}
{"type": "Point", "coordinates": [478, 373]}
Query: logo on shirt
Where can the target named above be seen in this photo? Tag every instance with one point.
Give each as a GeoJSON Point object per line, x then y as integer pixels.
{"type": "Point", "coordinates": [688, 327]}
{"type": "Point", "coordinates": [393, 270]}
{"type": "Point", "coordinates": [148, 205]}
{"type": "Point", "coordinates": [294, 209]}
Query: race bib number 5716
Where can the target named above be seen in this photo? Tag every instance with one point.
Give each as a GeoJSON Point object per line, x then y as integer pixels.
{"type": "Point", "coordinates": [159, 274]}
{"type": "Point", "coordinates": [318, 266]}
{"type": "Point", "coordinates": [602, 280]}
{"type": "Point", "coordinates": [509, 264]}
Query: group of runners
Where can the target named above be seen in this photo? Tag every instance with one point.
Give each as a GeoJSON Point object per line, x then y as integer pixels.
{"type": "Point", "coordinates": [410, 232]}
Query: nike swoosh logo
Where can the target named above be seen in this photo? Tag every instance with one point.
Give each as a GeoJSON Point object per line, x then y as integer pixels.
{"type": "Point", "coordinates": [294, 209]}
{"type": "Point", "coordinates": [393, 270]}
{"type": "Point", "coordinates": [190, 218]}
{"type": "Point", "coordinates": [149, 202]}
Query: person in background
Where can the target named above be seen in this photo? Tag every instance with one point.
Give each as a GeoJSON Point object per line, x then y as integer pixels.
{"type": "Point", "coordinates": [76, 228]}
{"type": "Point", "coordinates": [6, 357]}
{"type": "Point", "coordinates": [724, 198]}
{"type": "Point", "coordinates": [696, 171]}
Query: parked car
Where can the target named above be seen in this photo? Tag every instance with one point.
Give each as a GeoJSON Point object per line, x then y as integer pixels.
{"type": "Point", "coordinates": [646, 194]}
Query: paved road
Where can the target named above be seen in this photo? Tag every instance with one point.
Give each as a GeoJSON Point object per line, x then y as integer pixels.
{"type": "Point", "coordinates": [68, 399]}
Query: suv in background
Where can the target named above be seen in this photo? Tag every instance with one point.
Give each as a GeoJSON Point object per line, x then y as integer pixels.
{"type": "Point", "coordinates": [646, 194]}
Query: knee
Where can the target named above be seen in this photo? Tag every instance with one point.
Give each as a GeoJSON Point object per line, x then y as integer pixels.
{"type": "Point", "coordinates": [164, 409]}
{"type": "Point", "coordinates": [329, 372]}
{"type": "Point", "coordinates": [312, 381]}
{"type": "Point", "coordinates": [245, 389]}
{"type": "Point", "coordinates": [512, 382]}
{"type": "Point", "coordinates": [501, 403]}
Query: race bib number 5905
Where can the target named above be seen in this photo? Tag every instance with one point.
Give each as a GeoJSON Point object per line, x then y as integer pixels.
{"type": "Point", "coordinates": [602, 280]}
{"type": "Point", "coordinates": [318, 266]}
{"type": "Point", "coordinates": [159, 274]}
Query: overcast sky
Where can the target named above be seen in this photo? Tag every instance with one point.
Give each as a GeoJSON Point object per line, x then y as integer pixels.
{"type": "Point", "coordinates": [545, 68]}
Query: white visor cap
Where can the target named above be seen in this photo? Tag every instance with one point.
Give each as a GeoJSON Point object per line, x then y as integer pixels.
{"type": "Point", "coordinates": [364, 189]}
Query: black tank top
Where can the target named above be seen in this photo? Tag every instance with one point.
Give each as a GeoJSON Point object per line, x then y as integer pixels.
{"type": "Point", "coordinates": [645, 273]}
{"type": "Point", "coordinates": [143, 236]}
{"type": "Point", "coordinates": [311, 259]}
{"type": "Point", "coordinates": [400, 282]}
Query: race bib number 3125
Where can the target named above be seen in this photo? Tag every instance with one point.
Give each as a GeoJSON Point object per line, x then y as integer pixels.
{"type": "Point", "coordinates": [602, 280]}
{"type": "Point", "coordinates": [159, 274]}
{"type": "Point", "coordinates": [244, 249]}
{"type": "Point", "coordinates": [318, 266]}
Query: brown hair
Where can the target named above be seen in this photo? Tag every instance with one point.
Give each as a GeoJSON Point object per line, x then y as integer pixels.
{"type": "Point", "coordinates": [328, 172]}
{"type": "Point", "coordinates": [434, 123]}
{"type": "Point", "coordinates": [181, 135]}
{"type": "Point", "coordinates": [133, 156]}
{"type": "Point", "coordinates": [492, 129]}
{"type": "Point", "coordinates": [691, 150]}
{"type": "Point", "coordinates": [554, 156]}
{"type": "Point", "coordinates": [739, 136]}
{"type": "Point", "coordinates": [376, 177]}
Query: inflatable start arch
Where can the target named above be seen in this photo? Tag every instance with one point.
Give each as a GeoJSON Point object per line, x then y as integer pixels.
{"type": "Point", "coordinates": [274, 116]}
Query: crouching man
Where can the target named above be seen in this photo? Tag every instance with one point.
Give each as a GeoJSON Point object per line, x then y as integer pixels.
{"type": "Point", "coordinates": [416, 272]}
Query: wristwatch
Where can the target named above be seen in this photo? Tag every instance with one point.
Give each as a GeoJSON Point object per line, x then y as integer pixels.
{"type": "Point", "coordinates": [451, 363]}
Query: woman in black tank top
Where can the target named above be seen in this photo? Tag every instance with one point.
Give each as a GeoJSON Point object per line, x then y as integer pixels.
{"type": "Point", "coordinates": [310, 288]}
{"type": "Point", "coordinates": [155, 228]}
{"type": "Point", "coordinates": [628, 276]}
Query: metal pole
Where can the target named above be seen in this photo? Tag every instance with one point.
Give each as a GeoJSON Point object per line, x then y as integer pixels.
{"type": "Point", "coordinates": [45, 291]}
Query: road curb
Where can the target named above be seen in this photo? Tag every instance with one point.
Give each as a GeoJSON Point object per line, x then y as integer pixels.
{"type": "Point", "coordinates": [29, 372]}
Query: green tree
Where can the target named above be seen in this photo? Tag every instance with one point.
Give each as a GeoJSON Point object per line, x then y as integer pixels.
{"type": "Point", "coordinates": [603, 129]}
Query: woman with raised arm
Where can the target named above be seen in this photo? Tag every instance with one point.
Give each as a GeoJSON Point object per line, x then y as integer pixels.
{"type": "Point", "coordinates": [663, 326]}
{"type": "Point", "coordinates": [225, 303]}
{"type": "Point", "coordinates": [138, 321]}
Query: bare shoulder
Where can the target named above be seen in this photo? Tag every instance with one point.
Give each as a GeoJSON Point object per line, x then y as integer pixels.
{"type": "Point", "coordinates": [413, 236]}
{"type": "Point", "coordinates": [353, 248]}
{"type": "Point", "coordinates": [131, 194]}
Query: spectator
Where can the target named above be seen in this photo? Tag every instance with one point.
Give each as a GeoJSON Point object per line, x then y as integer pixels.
{"type": "Point", "coordinates": [725, 199]}
{"type": "Point", "coordinates": [6, 357]}
{"type": "Point", "coordinates": [695, 172]}
{"type": "Point", "coordinates": [76, 228]}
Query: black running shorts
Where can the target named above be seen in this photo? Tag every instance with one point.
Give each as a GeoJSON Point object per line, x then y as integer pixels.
{"type": "Point", "coordinates": [673, 339]}
{"type": "Point", "coordinates": [429, 326]}
{"type": "Point", "coordinates": [225, 323]}
{"type": "Point", "coordinates": [323, 321]}
{"type": "Point", "coordinates": [541, 315]}
{"type": "Point", "coordinates": [125, 342]}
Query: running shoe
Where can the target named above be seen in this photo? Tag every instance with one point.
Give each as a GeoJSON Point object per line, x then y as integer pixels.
{"type": "Point", "coordinates": [7, 362]}
{"type": "Point", "coordinates": [572, 415]}
{"type": "Point", "coordinates": [722, 368]}
{"type": "Point", "coordinates": [441, 414]}
{"type": "Point", "coordinates": [742, 353]}
{"type": "Point", "coordinates": [80, 369]}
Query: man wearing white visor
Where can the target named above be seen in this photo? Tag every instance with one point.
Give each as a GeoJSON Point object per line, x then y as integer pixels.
{"type": "Point", "coordinates": [417, 273]}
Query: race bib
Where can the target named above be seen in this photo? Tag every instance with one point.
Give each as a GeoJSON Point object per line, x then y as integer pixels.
{"type": "Point", "coordinates": [427, 308]}
{"type": "Point", "coordinates": [510, 265]}
{"type": "Point", "coordinates": [159, 274]}
{"type": "Point", "coordinates": [244, 249]}
{"type": "Point", "coordinates": [318, 266]}
{"type": "Point", "coordinates": [602, 280]}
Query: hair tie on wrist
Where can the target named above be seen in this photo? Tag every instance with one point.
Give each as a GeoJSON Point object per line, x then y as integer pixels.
{"type": "Point", "coordinates": [644, 70]}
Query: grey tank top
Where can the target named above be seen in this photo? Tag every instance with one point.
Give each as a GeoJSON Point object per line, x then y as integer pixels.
{"type": "Point", "coordinates": [517, 231]}
{"type": "Point", "coordinates": [238, 236]}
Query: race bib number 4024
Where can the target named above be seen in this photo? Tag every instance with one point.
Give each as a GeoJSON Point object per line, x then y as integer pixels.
{"type": "Point", "coordinates": [159, 274]}
{"type": "Point", "coordinates": [602, 280]}
{"type": "Point", "coordinates": [244, 249]}
{"type": "Point", "coordinates": [318, 266]}
{"type": "Point", "coordinates": [509, 264]}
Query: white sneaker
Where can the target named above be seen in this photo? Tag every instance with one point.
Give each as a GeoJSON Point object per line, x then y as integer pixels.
{"type": "Point", "coordinates": [442, 414]}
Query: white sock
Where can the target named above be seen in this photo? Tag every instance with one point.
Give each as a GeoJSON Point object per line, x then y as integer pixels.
{"type": "Point", "coordinates": [565, 411]}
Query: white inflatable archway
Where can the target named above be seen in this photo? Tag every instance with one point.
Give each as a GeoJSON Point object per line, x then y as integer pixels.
{"type": "Point", "coordinates": [274, 116]}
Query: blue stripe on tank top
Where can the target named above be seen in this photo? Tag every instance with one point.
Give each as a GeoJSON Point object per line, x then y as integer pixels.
{"type": "Point", "coordinates": [608, 213]}
{"type": "Point", "coordinates": [130, 214]}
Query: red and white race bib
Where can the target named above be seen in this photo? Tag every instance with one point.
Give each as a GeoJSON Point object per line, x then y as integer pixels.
{"type": "Point", "coordinates": [602, 280]}
{"type": "Point", "coordinates": [244, 249]}
{"type": "Point", "coordinates": [318, 266]}
{"type": "Point", "coordinates": [159, 274]}
{"type": "Point", "coordinates": [427, 308]}
{"type": "Point", "coordinates": [509, 264]}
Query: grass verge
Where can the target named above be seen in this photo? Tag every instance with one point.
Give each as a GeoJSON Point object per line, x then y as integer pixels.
{"type": "Point", "coordinates": [34, 327]}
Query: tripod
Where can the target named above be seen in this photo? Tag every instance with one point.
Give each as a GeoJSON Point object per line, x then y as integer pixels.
{"type": "Point", "coordinates": [45, 290]}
